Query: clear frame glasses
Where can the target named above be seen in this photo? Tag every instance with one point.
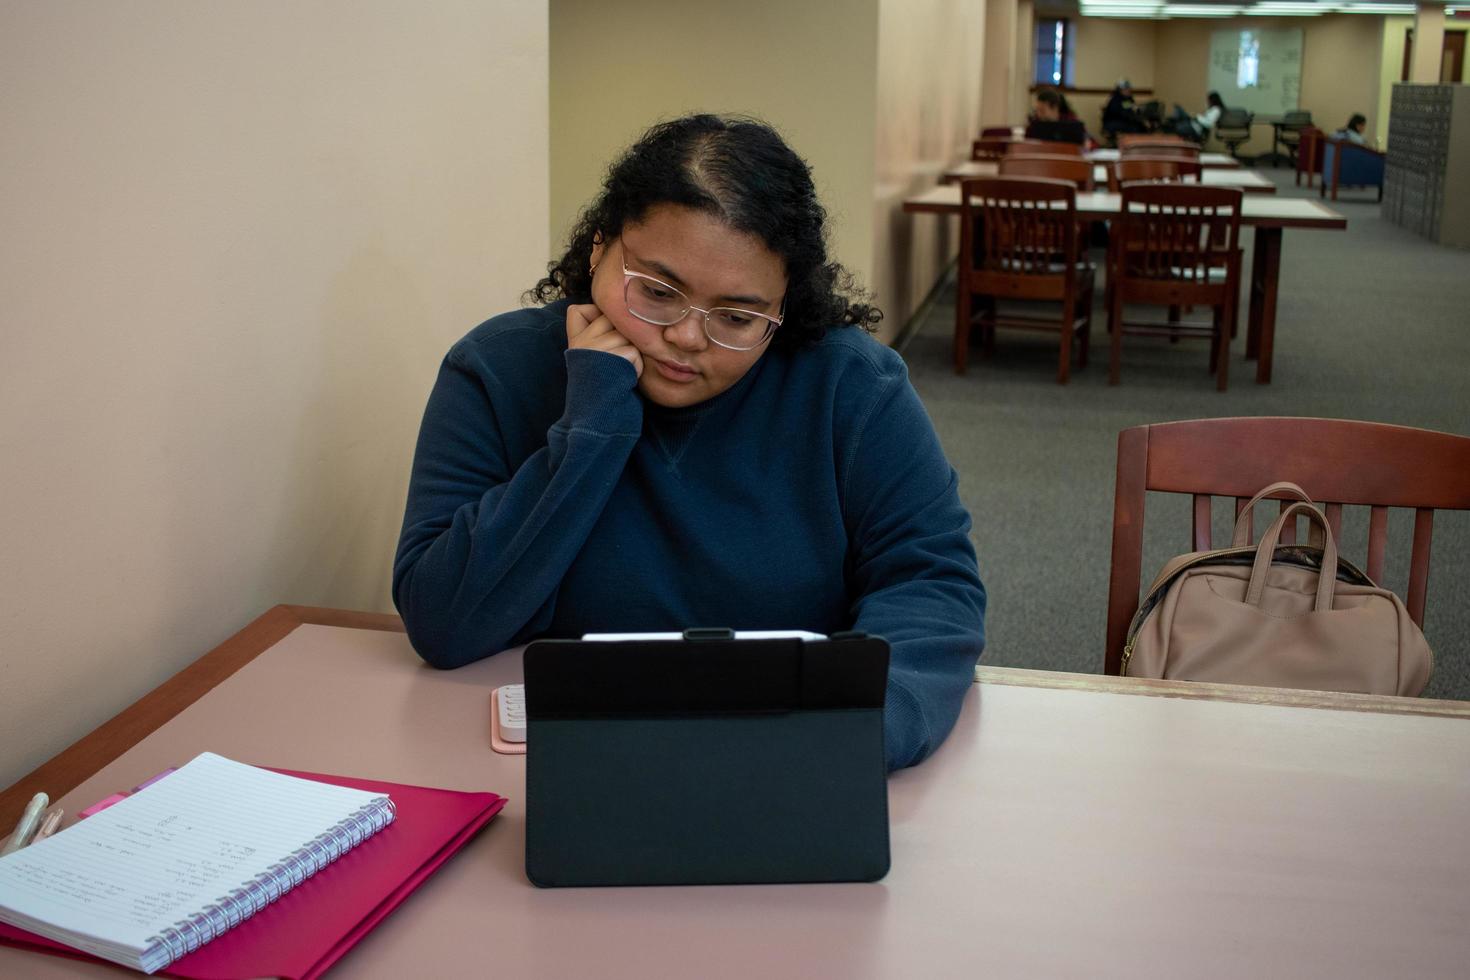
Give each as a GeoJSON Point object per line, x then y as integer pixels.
{"type": "Point", "coordinates": [655, 301]}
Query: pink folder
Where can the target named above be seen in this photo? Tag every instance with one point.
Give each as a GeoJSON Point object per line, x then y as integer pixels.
{"type": "Point", "coordinates": [312, 926]}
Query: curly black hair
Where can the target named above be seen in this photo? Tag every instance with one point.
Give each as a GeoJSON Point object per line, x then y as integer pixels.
{"type": "Point", "coordinates": [741, 171]}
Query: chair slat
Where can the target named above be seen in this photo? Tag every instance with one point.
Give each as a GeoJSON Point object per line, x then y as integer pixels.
{"type": "Point", "coordinates": [1419, 564]}
{"type": "Point", "coordinates": [1201, 522]}
{"type": "Point", "coordinates": [1240, 503]}
{"type": "Point", "coordinates": [1377, 542]}
{"type": "Point", "coordinates": [1334, 519]}
{"type": "Point", "coordinates": [1288, 533]}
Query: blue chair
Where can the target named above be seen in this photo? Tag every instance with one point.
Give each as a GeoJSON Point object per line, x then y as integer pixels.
{"type": "Point", "coordinates": [1349, 164]}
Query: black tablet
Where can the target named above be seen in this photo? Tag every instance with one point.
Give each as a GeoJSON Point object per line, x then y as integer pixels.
{"type": "Point", "coordinates": [706, 760]}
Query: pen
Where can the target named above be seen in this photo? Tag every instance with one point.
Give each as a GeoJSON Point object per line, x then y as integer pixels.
{"type": "Point", "coordinates": [49, 825]}
{"type": "Point", "coordinates": [26, 829]}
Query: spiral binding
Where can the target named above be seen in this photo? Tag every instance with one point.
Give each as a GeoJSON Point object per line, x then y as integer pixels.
{"type": "Point", "coordinates": [228, 911]}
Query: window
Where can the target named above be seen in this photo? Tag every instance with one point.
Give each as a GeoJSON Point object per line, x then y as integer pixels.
{"type": "Point", "coordinates": [1054, 44]}
{"type": "Point", "coordinates": [1248, 65]}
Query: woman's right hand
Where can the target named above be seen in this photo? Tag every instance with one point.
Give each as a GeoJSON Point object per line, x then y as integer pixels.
{"type": "Point", "coordinates": [589, 328]}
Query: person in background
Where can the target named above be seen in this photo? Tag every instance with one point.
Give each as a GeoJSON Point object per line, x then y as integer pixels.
{"type": "Point", "coordinates": [1198, 127]}
{"type": "Point", "coordinates": [1121, 114]}
{"type": "Point", "coordinates": [693, 426]}
{"type": "Point", "coordinates": [1354, 129]}
{"type": "Point", "coordinates": [1052, 119]}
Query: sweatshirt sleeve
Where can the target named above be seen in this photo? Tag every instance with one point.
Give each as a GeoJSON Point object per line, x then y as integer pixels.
{"type": "Point", "coordinates": [915, 578]}
{"type": "Point", "coordinates": [483, 549]}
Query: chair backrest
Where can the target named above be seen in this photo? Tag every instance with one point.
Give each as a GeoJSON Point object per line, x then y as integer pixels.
{"type": "Point", "coordinates": [1048, 147]}
{"type": "Point", "coordinates": [1235, 119]}
{"type": "Point", "coordinates": [1339, 463]}
{"type": "Point", "coordinates": [1014, 227]}
{"type": "Point", "coordinates": [1151, 168]}
{"type": "Point", "coordinates": [1296, 119]}
{"type": "Point", "coordinates": [1175, 233]}
{"type": "Point", "coordinates": [1161, 148]}
{"type": "Point", "coordinates": [996, 132]}
{"type": "Point", "coordinates": [1074, 169]}
{"type": "Point", "coordinates": [989, 149]}
{"type": "Point", "coordinates": [1131, 138]}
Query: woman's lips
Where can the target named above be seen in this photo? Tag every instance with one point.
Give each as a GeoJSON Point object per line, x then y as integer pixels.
{"type": "Point", "coordinates": [675, 372]}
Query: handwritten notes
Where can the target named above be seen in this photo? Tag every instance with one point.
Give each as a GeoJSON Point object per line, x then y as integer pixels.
{"type": "Point", "coordinates": [119, 879]}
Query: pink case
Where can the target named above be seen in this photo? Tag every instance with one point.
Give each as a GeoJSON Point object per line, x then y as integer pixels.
{"type": "Point", "coordinates": [496, 742]}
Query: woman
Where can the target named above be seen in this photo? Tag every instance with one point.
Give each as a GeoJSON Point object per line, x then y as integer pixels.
{"type": "Point", "coordinates": [1198, 127]}
{"type": "Point", "coordinates": [1354, 130]}
{"type": "Point", "coordinates": [695, 430]}
{"type": "Point", "coordinates": [1052, 119]}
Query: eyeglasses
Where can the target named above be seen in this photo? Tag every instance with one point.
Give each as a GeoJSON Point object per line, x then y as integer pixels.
{"type": "Point", "coordinates": [654, 301]}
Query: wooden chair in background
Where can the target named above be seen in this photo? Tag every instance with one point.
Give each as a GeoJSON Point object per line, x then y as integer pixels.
{"type": "Point", "coordinates": [1151, 168]}
{"type": "Point", "coordinates": [1132, 138]}
{"type": "Point", "coordinates": [996, 132]}
{"type": "Point", "coordinates": [1339, 463]}
{"type": "Point", "coordinates": [1176, 245]}
{"type": "Point", "coordinates": [1045, 147]}
{"type": "Point", "coordinates": [1184, 151]}
{"type": "Point", "coordinates": [989, 148]}
{"type": "Point", "coordinates": [1309, 154]}
{"type": "Point", "coordinates": [1018, 241]}
{"type": "Point", "coordinates": [1069, 168]}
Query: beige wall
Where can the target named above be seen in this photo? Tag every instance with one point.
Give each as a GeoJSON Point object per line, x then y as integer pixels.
{"type": "Point", "coordinates": [928, 112]}
{"type": "Point", "coordinates": [1340, 66]}
{"type": "Point", "coordinates": [998, 68]}
{"type": "Point", "coordinates": [238, 239]}
{"type": "Point", "coordinates": [1391, 69]}
{"type": "Point", "coordinates": [1108, 49]}
{"type": "Point", "coordinates": [806, 68]}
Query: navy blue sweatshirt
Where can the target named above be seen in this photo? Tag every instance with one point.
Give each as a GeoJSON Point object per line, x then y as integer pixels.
{"type": "Point", "coordinates": [549, 498]}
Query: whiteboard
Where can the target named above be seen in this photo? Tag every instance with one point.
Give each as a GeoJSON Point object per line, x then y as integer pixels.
{"type": "Point", "coordinates": [1257, 68]}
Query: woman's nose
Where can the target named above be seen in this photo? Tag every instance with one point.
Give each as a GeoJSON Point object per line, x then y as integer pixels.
{"type": "Point", "coordinates": [688, 333]}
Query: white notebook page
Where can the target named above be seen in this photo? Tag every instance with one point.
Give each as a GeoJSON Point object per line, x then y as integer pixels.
{"type": "Point", "coordinates": [169, 850]}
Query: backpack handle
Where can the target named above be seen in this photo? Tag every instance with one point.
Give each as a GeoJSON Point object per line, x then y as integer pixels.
{"type": "Point", "coordinates": [1326, 577]}
{"type": "Point", "coordinates": [1243, 519]}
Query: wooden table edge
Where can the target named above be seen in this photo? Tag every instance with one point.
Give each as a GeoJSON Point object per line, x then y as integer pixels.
{"type": "Point", "coordinates": [1240, 693]}
{"type": "Point", "coordinates": [77, 763]}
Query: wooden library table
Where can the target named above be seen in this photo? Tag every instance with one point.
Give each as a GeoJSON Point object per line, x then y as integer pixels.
{"type": "Point", "coordinates": [1071, 825]}
{"type": "Point", "coordinates": [1268, 215]}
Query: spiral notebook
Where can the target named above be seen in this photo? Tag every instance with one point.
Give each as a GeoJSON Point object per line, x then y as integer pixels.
{"type": "Point", "coordinates": [166, 870]}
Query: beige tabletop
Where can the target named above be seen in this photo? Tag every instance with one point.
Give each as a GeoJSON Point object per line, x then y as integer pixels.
{"type": "Point", "coordinates": [1248, 181]}
{"type": "Point", "coordinates": [1061, 831]}
{"type": "Point", "coordinates": [1256, 210]}
{"type": "Point", "coordinates": [1207, 160]}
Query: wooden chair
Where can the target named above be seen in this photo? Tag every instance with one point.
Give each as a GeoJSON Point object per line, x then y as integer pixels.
{"type": "Point", "coordinates": [996, 132]}
{"type": "Point", "coordinates": [989, 148]}
{"type": "Point", "coordinates": [1132, 139]}
{"type": "Point", "coordinates": [1184, 151]}
{"type": "Point", "coordinates": [1309, 155]}
{"type": "Point", "coordinates": [1018, 241]}
{"type": "Point", "coordinates": [1073, 169]}
{"type": "Point", "coordinates": [1046, 147]}
{"type": "Point", "coordinates": [1337, 462]}
{"type": "Point", "coordinates": [1176, 245]}
{"type": "Point", "coordinates": [1150, 168]}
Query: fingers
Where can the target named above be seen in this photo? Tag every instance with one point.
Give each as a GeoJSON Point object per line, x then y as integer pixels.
{"type": "Point", "coordinates": [588, 329]}
{"type": "Point", "coordinates": [579, 317]}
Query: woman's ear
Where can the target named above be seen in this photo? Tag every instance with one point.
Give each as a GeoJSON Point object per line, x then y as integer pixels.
{"type": "Point", "coordinates": [599, 247]}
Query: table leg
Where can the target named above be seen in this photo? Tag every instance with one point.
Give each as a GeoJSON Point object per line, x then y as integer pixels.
{"type": "Point", "coordinates": [1265, 275]}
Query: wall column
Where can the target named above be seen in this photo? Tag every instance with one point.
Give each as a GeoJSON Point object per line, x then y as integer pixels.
{"type": "Point", "coordinates": [1428, 43]}
{"type": "Point", "coordinates": [997, 77]}
{"type": "Point", "coordinates": [1025, 53]}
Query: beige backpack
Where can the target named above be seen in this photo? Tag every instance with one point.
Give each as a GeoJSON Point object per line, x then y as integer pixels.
{"type": "Point", "coordinates": [1264, 616]}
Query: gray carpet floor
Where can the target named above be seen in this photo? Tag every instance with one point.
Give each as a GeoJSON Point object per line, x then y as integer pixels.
{"type": "Point", "coordinates": [1372, 323]}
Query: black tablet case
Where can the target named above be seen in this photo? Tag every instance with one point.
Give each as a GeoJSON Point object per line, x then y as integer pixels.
{"type": "Point", "coordinates": [714, 761]}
